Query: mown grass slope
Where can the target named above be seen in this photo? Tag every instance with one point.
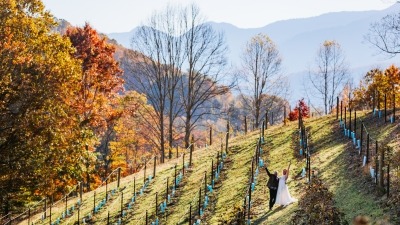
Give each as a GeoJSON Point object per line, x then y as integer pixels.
{"type": "Point", "coordinates": [334, 159]}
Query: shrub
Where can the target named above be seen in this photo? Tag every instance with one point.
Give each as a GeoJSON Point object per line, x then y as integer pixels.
{"type": "Point", "coordinates": [318, 207]}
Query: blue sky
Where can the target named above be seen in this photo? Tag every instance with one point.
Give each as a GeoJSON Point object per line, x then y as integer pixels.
{"type": "Point", "coordinates": [123, 15]}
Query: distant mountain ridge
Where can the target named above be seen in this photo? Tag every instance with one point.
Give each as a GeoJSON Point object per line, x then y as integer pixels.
{"type": "Point", "coordinates": [299, 39]}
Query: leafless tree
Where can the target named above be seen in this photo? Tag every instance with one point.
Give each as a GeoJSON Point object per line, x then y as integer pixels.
{"type": "Point", "coordinates": [171, 40]}
{"type": "Point", "coordinates": [262, 70]}
{"type": "Point", "coordinates": [385, 34]}
{"type": "Point", "coordinates": [329, 75]}
{"type": "Point", "coordinates": [155, 70]}
{"type": "Point", "coordinates": [205, 58]}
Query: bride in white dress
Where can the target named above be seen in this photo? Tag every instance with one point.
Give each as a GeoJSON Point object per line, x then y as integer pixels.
{"type": "Point", "coordinates": [283, 196]}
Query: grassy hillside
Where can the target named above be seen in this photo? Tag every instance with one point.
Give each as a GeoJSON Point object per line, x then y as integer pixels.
{"type": "Point", "coordinates": [334, 159]}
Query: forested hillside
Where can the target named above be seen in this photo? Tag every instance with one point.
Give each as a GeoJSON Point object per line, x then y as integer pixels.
{"type": "Point", "coordinates": [94, 133]}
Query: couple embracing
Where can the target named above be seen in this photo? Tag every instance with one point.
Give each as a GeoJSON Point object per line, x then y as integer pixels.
{"type": "Point", "coordinates": [278, 190]}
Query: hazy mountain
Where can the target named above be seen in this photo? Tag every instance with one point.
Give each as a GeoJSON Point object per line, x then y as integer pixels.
{"type": "Point", "coordinates": [299, 39]}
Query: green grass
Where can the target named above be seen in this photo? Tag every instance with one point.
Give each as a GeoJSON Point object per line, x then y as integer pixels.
{"type": "Point", "coordinates": [333, 158]}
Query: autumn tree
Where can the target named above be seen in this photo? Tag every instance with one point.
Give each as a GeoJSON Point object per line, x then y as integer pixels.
{"type": "Point", "coordinates": [100, 81]}
{"type": "Point", "coordinates": [375, 85]}
{"type": "Point", "coordinates": [301, 109]}
{"type": "Point", "coordinates": [39, 147]}
{"type": "Point", "coordinates": [262, 65]}
{"type": "Point", "coordinates": [131, 146]}
{"type": "Point", "coordinates": [329, 75]}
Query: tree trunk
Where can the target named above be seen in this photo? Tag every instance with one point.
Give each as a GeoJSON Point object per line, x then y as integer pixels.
{"type": "Point", "coordinates": [162, 138]}
{"type": "Point", "coordinates": [187, 129]}
{"type": "Point", "coordinates": [257, 114]}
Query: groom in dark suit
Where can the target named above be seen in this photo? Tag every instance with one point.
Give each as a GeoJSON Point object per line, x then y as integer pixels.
{"type": "Point", "coordinates": [273, 187]}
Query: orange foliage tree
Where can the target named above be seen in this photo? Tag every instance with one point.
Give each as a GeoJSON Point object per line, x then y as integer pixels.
{"type": "Point", "coordinates": [133, 143]}
{"type": "Point", "coordinates": [375, 85]}
{"type": "Point", "coordinates": [100, 81]}
{"type": "Point", "coordinates": [39, 154]}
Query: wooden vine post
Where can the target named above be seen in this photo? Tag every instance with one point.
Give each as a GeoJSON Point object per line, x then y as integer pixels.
{"type": "Point", "coordinates": [155, 165]}
{"type": "Point", "coordinates": [361, 138]}
{"type": "Point", "coordinates": [284, 115]}
{"type": "Point", "coordinates": [191, 151]}
{"type": "Point", "coordinates": [367, 155]}
{"type": "Point", "coordinates": [245, 124]}
{"type": "Point", "coordinates": [210, 135]}
{"type": "Point", "coordinates": [385, 107]}
{"type": "Point", "coordinates": [341, 110]}
{"type": "Point", "coordinates": [381, 161]}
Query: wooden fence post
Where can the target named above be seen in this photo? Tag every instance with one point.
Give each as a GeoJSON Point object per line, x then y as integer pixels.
{"type": "Point", "coordinates": [262, 128]}
{"type": "Point", "coordinates": [378, 102]}
{"type": "Point", "coordinates": [355, 123]}
{"type": "Point", "coordinates": [376, 161]}
{"type": "Point", "coordinates": [191, 151]}
{"type": "Point", "coordinates": [156, 204]}
{"type": "Point", "coordinates": [144, 172]}
{"type": "Point", "coordinates": [45, 207]}
{"type": "Point", "coordinates": [108, 217]}
{"type": "Point", "coordinates": [284, 115]}
{"type": "Point", "coordinates": [226, 142]}
{"type": "Point", "coordinates": [155, 165]}
{"type": "Point", "coordinates": [388, 180]}
{"type": "Point", "coordinates": [361, 138]}
{"type": "Point", "coordinates": [190, 214]}
{"type": "Point", "coordinates": [228, 128]}
{"type": "Point", "coordinates": [245, 124]}
{"type": "Point", "coordinates": [394, 106]}
{"type": "Point", "coordinates": [199, 200]}
{"type": "Point", "coordinates": [119, 177]}
{"type": "Point", "coordinates": [299, 117]}
{"type": "Point", "coordinates": [349, 122]}
{"type": "Point", "coordinates": [175, 177]}
{"type": "Point", "coordinates": [374, 100]}
{"type": "Point", "coordinates": [205, 183]}
{"type": "Point", "coordinates": [51, 206]}
{"type": "Point", "coordinates": [252, 170]}
{"type": "Point", "coordinates": [94, 202]}
{"type": "Point", "coordinates": [79, 212]}
{"type": "Point", "coordinates": [337, 107]}
{"type": "Point", "coordinates": [367, 155]}
{"type": "Point", "coordinates": [80, 190]}
{"type": "Point", "coordinates": [272, 118]}
{"type": "Point", "coordinates": [166, 196]}
{"type": "Point", "coordinates": [248, 212]}
{"type": "Point", "coordinates": [29, 216]}
{"type": "Point", "coordinates": [385, 107]}
{"type": "Point", "coordinates": [183, 164]}
{"type": "Point", "coordinates": [66, 204]}
{"type": "Point", "coordinates": [107, 190]}
{"type": "Point", "coordinates": [122, 204]}
{"type": "Point", "coordinates": [381, 166]}
{"type": "Point", "coordinates": [341, 109]}
{"type": "Point", "coordinates": [210, 135]}
{"type": "Point", "coordinates": [147, 218]}
{"type": "Point", "coordinates": [212, 171]}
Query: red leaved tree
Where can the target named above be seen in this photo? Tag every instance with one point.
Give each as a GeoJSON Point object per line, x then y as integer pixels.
{"type": "Point", "coordinates": [304, 110]}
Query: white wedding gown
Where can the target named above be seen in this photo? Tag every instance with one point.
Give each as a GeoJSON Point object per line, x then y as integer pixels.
{"type": "Point", "coordinates": [283, 196]}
